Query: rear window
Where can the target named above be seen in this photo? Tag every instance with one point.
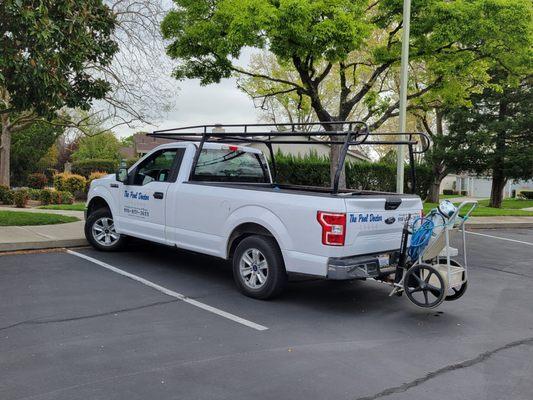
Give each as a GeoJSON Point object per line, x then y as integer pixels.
{"type": "Point", "coordinates": [225, 165]}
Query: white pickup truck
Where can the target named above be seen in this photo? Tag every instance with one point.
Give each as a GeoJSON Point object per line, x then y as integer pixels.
{"type": "Point", "coordinates": [228, 207]}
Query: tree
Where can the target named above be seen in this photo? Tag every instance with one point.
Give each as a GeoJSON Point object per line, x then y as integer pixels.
{"type": "Point", "coordinates": [29, 146]}
{"type": "Point", "coordinates": [104, 146]}
{"type": "Point", "coordinates": [501, 120]}
{"type": "Point", "coordinates": [357, 41]}
{"type": "Point", "coordinates": [49, 49]}
{"type": "Point", "coordinates": [139, 74]}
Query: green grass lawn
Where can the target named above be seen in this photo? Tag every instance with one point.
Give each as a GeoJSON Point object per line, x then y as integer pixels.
{"type": "Point", "coordinates": [21, 218]}
{"type": "Point", "coordinates": [513, 204]}
{"type": "Point", "coordinates": [510, 207]}
{"type": "Point", "coordinates": [73, 207]}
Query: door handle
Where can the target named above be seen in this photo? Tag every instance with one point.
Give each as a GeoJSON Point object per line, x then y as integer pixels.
{"type": "Point", "coordinates": [158, 195]}
{"type": "Point", "coordinates": [114, 185]}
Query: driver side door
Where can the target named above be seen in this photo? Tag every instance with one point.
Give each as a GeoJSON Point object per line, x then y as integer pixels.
{"type": "Point", "coordinates": [143, 197]}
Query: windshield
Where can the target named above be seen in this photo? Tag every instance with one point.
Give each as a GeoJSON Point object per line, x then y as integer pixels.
{"type": "Point", "coordinates": [223, 165]}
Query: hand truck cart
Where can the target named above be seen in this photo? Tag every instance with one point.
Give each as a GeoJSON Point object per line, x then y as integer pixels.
{"type": "Point", "coordinates": [426, 271]}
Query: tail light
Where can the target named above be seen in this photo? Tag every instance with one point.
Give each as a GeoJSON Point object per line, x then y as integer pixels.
{"type": "Point", "coordinates": [333, 227]}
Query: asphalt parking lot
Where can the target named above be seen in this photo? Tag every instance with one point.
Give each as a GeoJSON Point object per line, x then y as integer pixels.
{"type": "Point", "coordinates": [74, 329]}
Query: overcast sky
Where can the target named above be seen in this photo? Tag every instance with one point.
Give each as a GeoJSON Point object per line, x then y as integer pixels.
{"type": "Point", "coordinates": [199, 105]}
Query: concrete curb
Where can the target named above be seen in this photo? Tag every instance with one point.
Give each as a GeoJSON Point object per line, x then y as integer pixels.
{"type": "Point", "coordinates": [40, 245]}
{"type": "Point", "coordinates": [499, 225]}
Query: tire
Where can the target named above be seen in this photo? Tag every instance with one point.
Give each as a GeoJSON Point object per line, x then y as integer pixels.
{"type": "Point", "coordinates": [418, 280]}
{"type": "Point", "coordinates": [100, 224]}
{"type": "Point", "coordinates": [258, 267]}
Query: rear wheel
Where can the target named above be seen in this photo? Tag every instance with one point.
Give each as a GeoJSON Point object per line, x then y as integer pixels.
{"type": "Point", "coordinates": [258, 268]}
{"type": "Point", "coordinates": [454, 293]}
{"type": "Point", "coordinates": [101, 233]}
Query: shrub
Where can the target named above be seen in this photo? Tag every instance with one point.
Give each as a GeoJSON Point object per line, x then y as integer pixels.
{"type": "Point", "coordinates": [66, 197]}
{"type": "Point", "coordinates": [72, 183]}
{"type": "Point", "coordinates": [449, 191]}
{"type": "Point", "coordinates": [35, 194]}
{"type": "Point", "coordinates": [86, 167]}
{"type": "Point", "coordinates": [527, 194]}
{"type": "Point", "coordinates": [21, 198]}
{"type": "Point", "coordinates": [6, 195]}
{"type": "Point", "coordinates": [75, 184]}
{"type": "Point", "coordinates": [37, 180]}
{"type": "Point", "coordinates": [46, 196]}
{"type": "Point", "coordinates": [464, 193]}
{"type": "Point", "coordinates": [59, 180]}
{"type": "Point", "coordinates": [56, 197]}
{"type": "Point", "coordinates": [93, 176]}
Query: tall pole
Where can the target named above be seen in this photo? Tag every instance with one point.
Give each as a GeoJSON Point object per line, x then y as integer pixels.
{"type": "Point", "coordinates": [404, 76]}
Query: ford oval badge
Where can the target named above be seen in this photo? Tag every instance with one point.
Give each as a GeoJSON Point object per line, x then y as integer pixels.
{"type": "Point", "coordinates": [390, 220]}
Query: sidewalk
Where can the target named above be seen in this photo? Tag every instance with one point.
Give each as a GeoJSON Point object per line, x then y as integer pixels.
{"type": "Point", "coordinates": [14, 238]}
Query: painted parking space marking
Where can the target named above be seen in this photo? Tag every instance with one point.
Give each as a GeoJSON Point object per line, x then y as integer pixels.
{"type": "Point", "coordinates": [172, 293]}
{"type": "Point", "coordinates": [499, 237]}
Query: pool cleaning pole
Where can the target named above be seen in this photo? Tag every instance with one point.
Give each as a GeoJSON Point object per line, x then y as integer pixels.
{"type": "Point", "coordinates": [404, 76]}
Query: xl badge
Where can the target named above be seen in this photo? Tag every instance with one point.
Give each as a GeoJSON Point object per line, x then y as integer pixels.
{"type": "Point", "coordinates": [390, 220]}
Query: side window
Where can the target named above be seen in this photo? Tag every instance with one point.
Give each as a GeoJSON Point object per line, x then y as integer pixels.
{"type": "Point", "coordinates": [230, 166]}
{"type": "Point", "coordinates": [159, 167]}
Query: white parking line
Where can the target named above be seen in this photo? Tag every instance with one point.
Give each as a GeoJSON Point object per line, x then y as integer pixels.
{"type": "Point", "coordinates": [501, 238]}
{"type": "Point", "coordinates": [172, 293]}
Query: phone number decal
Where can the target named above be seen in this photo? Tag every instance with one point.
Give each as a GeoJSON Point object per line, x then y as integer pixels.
{"type": "Point", "coordinates": [136, 212]}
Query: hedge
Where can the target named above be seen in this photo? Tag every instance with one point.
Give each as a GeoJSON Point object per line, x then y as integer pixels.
{"type": "Point", "coordinates": [86, 167]}
{"type": "Point", "coordinates": [313, 170]}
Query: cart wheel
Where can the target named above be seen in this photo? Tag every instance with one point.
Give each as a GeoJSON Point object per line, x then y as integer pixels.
{"type": "Point", "coordinates": [453, 293]}
{"type": "Point", "coordinates": [424, 286]}
{"type": "Point", "coordinates": [456, 293]}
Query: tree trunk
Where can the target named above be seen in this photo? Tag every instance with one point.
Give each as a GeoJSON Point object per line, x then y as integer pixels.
{"type": "Point", "coordinates": [433, 195]}
{"type": "Point", "coordinates": [5, 151]}
{"type": "Point", "coordinates": [498, 176]}
{"type": "Point", "coordinates": [334, 156]}
{"type": "Point", "coordinates": [496, 192]}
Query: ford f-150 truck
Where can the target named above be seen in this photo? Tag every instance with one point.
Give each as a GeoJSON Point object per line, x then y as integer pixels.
{"type": "Point", "coordinates": [227, 206]}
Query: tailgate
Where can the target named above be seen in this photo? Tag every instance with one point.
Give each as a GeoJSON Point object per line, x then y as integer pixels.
{"type": "Point", "coordinates": [374, 223]}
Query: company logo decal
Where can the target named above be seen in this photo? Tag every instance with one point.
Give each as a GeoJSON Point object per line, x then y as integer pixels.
{"type": "Point", "coordinates": [390, 220]}
{"type": "Point", "coordinates": [362, 218]}
{"type": "Point", "coordinates": [130, 194]}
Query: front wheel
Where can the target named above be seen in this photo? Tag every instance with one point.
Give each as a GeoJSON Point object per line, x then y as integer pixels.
{"type": "Point", "coordinates": [258, 267]}
{"type": "Point", "coordinates": [424, 286]}
{"type": "Point", "coordinates": [100, 231]}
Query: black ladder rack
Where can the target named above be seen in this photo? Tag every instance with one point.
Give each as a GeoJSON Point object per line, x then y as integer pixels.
{"type": "Point", "coordinates": [345, 133]}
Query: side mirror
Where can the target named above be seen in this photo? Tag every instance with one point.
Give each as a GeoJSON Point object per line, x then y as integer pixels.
{"type": "Point", "coordinates": [122, 175]}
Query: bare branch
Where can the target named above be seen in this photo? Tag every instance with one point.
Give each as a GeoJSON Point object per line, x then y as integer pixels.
{"type": "Point", "coordinates": [268, 78]}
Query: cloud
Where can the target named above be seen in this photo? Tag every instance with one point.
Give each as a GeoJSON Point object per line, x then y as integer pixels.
{"type": "Point", "coordinates": [199, 105]}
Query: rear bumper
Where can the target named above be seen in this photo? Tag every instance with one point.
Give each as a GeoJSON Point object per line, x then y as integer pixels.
{"type": "Point", "coordinates": [360, 267]}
